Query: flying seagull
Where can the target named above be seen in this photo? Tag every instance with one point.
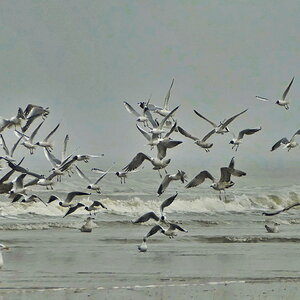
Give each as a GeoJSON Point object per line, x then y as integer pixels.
{"type": "Point", "coordinates": [170, 231]}
{"type": "Point", "coordinates": [180, 175]}
{"type": "Point", "coordinates": [283, 101]}
{"type": "Point", "coordinates": [67, 202]}
{"type": "Point", "coordinates": [288, 144]}
{"type": "Point", "coordinates": [281, 210]}
{"type": "Point", "coordinates": [237, 141]}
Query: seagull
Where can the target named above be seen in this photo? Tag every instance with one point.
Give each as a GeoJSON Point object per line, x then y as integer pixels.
{"type": "Point", "coordinates": [222, 127]}
{"type": "Point", "coordinates": [27, 199]}
{"type": "Point", "coordinates": [18, 186]}
{"type": "Point", "coordinates": [283, 101]}
{"type": "Point", "coordinates": [165, 110]}
{"type": "Point", "coordinates": [281, 210]}
{"type": "Point", "coordinates": [158, 127]}
{"type": "Point", "coordinates": [143, 247]}
{"type": "Point", "coordinates": [140, 118]}
{"type": "Point", "coordinates": [86, 157]}
{"type": "Point", "coordinates": [15, 121]}
{"type": "Point", "coordinates": [158, 163]}
{"type": "Point", "coordinates": [87, 227]}
{"type": "Point", "coordinates": [28, 143]}
{"type": "Point", "coordinates": [170, 231]}
{"type": "Point", "coordinates": [180, 175]}
{"type": "Point", "coordinates": [91, 186]}
{"type": "Point", "coordinates": [237, 141]}
{"type": "Point", "coordinates": [47, 182]}
{"type": "Point", "coordinates": [9, 154]}
{"type": "Point", "coordinates": [152, 215]}
{"type": "Point", "coordinates": [46, 143]}
{"type": "Point", "coordinates": [224, 181]}
{"type": "Point", "coordinates": [202, 143]}
{"type": "Point", "coordinates": [272, 229]}
{"type": "Point", "coordinates": [33, 112]}
{"type": "Point", "coordinates": [95, 206]}
{"type": "Point", "coordinates": [2, 247]}
{"type": "Point", "coordinates": [70, 196]}
{"type": "Point", "coordinates": [73, 208]}
{"type": "Point", "coordinates": [288, 144]}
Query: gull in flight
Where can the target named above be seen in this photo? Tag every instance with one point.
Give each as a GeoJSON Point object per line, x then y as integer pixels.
{"type": "Point", "coordinates": [91, 186]}
{"type": "Point", "coordinates": [46, 143]}
{"type": "Point", "coordinates": [18, 186]}
{"type": "Point", "coordinates": [222, 127]}
{"type": "Point", "coordinates": [224, 181]}
{"type": "Point", "coordinates": [169, 232]}
{"type": "Point", "coordinates": [28, 143]}
{"type": "Point", "coordinates": [140, 118]}
{"type": "Point", "coordinates": [67, 202]}
{"type": "Point", "coordinates": [9, 154]}
{"type": "Point", "coordinates": [27, 199]}
{"type": "Point", "coordinates": [43, 181]}
{"type": "Point", "coordinates": [288, 144]}
{"type": "Point", "coordinates": [15, 121]}
{"type": "Point", "coordinates": [94, 207]}
{"type": "Point", "coordinates": [283, 101]}
{"type": "Point", "coordinates": [152, 215]}
{"type": "Point", "coordinates": [236, 141]}
{"type": "Point", "coordinates": [180, 175]}
{"type": "Point", "coordinates": [73, 208]}
{"type": "Point", "coordinates": [33, 112]}
{"type": "Point", "coordinates": [86, 157]}
{"type": "Point", "coordinates": [202, 143]}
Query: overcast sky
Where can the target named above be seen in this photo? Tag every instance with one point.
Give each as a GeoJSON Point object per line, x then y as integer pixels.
{"type": "Point", "coordinates": [84, 58]}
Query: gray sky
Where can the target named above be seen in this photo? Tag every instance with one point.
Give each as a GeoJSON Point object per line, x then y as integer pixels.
{"type": "Point", "coordinates": [84, 58]}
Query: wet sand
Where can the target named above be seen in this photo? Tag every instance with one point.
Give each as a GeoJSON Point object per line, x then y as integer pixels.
{"type": "Point", "coordinates": [105, 264]}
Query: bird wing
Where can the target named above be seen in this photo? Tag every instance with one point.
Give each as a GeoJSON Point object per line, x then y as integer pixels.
{"type": "Point", "coordinates": [4, 145]}
{"type": "Point", "coordinates": [171, 130]}
{"type": "Point", "coordinates": [167, 202]}
{"type": "Point", "coordinates": [164, 184]}
{"type": "Point", "coordinates": [261, 98]}
{"type": "Point", "coordinates": [102, 176]}
{"type": "Point", "coordinates": [227, 122]}
{"type": "Point", "coordinates": [153, 230]}
{"type": "Point", "coordinates": [98, 203]}
{"type": "Point", "coordinates": [208, 135]}
{"type": "Point", "coordinates": [185, 133]}
{"type": "Point", "coordinates": [279, 143]}
{"type": "Point", "coordinates": [51, 158]}
{"type": "Point", "coordinates": [6, 176]}
{"type": "Point", "coordinates": [247, 132]}
{"type": "Point", "coordinates": [81, 175]}
{"type": "Point", "coordinates": [163, 121]}
{"type": "Point", "coordinates": [130, 109]}
{"type": "Point", "coordinates": [282, 210]}
{"type": "Point", "coordinates": [35, 132]}
{"type": "Point", "coordinates": [210, 122]}
{"type": "Point", "coordinates": [233, 171]}
{"type": "Point", "coordinates": [148, 114]}
{"type": "Point", "coordinates": [71, 195]}
{"type": "Point", "coordinates": [162, 147]}
{"type": "Point", "coordinates": [64, 152]}
{"type": "Point", "coordinates": [19, 181]}
{"type": "Point", "coordinates": [17, 197]}
{"type": "Point", "coordinates": [144, 133]}
{"type": "Point", "coordinates": [167, 98]}
{"type": "Point", "coordinates": [225, 174]}
{"type": "Point", "coordinates": [287, 89]}
{"type": "Point", "coordinates": [173, 226]}
{"type": "Point", "coordinates": [52, 132]}
{"type": "Point", "coordinates": [15, 146]}
{"type": "Point", "coordinates": [198, 179]}
{"type": "Point", "coordinates": [31, 182]}
{"type": "Point", "coordinates": [136, 162]}
{"type": "Point", "coordinates": [73, 209]}
{"type": "Point", "coordinates": [146, 217]}
{"type": "Point", "coordinates": [296, 133]}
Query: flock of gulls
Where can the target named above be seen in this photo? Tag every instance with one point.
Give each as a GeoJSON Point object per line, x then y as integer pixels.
{"type": "Point", "coordinates": [157, 124]}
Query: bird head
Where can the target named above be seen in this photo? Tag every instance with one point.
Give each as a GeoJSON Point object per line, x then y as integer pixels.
{"type": "Point", "coordinates": [232, 141]}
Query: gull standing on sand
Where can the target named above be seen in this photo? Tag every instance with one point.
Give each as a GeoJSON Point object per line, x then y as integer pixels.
{"type": "Point", "coordinates": [288, 144]}
{"type": "Point", "coordinates": [272, 228]}
{"type": "Point", "coordinates": [283, 101]}
{"type": "Point", "coordinates": [88, 225]}
{"type": "Point", "coordinates": [2, 247]}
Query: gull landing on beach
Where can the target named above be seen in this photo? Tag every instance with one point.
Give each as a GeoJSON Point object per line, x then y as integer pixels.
{"type": "Point", "coordinates": [283, 101]}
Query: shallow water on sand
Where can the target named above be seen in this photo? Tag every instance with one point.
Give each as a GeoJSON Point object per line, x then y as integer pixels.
{"type": "Point", "coordinates": [223, 256]}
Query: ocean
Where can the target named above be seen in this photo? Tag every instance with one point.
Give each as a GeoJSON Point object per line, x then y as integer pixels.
{"type": "Point", "coordinates": [226, 254]}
